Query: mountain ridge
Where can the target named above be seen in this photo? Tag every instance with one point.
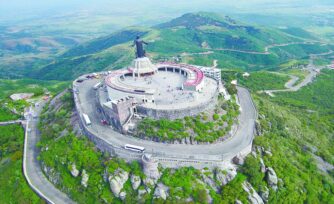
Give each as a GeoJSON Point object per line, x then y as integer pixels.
{"type": "Point", "coordinates": [189, 33]}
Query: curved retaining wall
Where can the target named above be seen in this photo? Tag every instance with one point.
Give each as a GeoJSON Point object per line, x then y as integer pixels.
{"type": "Point", "coordinates": [178, 113]}
{"type": "Point", "coordinates": [168, 159]}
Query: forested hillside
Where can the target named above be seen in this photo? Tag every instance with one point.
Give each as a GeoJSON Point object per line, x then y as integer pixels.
{"type": "Point", "coordinates": [196, 38]}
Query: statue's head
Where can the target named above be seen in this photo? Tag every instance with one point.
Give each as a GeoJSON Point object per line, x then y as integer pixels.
{"type": "Point", "coordinates": [137, 37]}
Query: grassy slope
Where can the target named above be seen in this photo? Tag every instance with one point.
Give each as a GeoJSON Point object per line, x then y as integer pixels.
{"type": "Point", "coordinates": [13, 186]}
{"type": "Point", "coordinates": [8, 87]}
{"type": "Point", "coordinates": [260, 80]}
{"type": "Point", "coordinates": [190, 33]}
{"type": "Point", "coordinates": [64, 151]}
{"type": "Point", "coordinates": [292, 134]}
{"type": "Point", "coordinates": [264, 80]}
{"type": "Point", "coordinates": [288, 134]}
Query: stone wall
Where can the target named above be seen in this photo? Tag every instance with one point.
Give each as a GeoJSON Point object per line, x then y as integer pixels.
{"type": "Point", "coordinates": [178, 113]}
{"type": "Point", "coordinates": [166, 159]}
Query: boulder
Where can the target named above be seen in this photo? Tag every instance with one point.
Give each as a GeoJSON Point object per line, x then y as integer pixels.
{"type": "Point", "coordinates": [149, 181]}
{"type": "Point", "coordinates": [258, 128]}
{"type": "Point", "coordinates": [238, 202]}
{"type": "Point", "coordinates": [84, 179]}
{"type": "Point", "coordinates": [74, 171]}
{"type": "Point", "coordinates": [135, 181]}
{"type": "Point", "coordinates": [253, 196]}
{"type": "Point", "coordinates": [161, 191]}
{"type": "Point", "coordinates": [239, 160]}
{"type": "Point", "coordinates": [187, 140]}
{"type": "Point", "coordinates": [141, 192]}
{"type": "Point", "coordinates": [122, 195]}
{"type": "Point", "coordinates": [117, 181]}
{"type": "Point", "coordinates": [254, 154]}
{"type": "Point", "coordinates": [150, 167]}
{"type": "Point", "coordinates": [268, 152]}
{"type": "Point", "coordinates": [224, 177]}
{"type": "Point", "coordinates": [271, 178]}
{"type": "Point", "coordinates": [183, 141]}
{"type": "Point", "coordinates": [263, 167]}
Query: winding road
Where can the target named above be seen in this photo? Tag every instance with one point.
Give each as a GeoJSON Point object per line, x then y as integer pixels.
{"type": "Point", "coordinates": [266, 49]}
{"type": "Point", "coordinates": [32, 168]}
{"type": "Point", "coordinates": [243, 137]}
{"type": "Point", "coordinates": [291, 85]}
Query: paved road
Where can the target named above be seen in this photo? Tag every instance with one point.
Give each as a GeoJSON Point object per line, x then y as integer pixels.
{"type": "Point", "coordinates": [243, 137]}
{"type": "Point", "coordinates": [32, 169]}
{"type": "Point", "coordinates": [291, 82]}
{"type": "Point", "coordinates": [11, 122]}
{"type": "Point", "coordinates": [266, 49]}
{"type": "Point", "coordinates": [290, 85]}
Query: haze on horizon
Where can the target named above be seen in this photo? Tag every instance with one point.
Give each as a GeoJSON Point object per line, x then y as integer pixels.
{"type": "Point", "coordinates": [18, 10]}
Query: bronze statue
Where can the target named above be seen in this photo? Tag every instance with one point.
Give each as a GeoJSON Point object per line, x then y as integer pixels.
{"type": "Point", "coordinates": [140, 52]}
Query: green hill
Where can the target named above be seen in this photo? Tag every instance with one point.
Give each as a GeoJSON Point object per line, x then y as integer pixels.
{"type": "Point", "coordinates": [187, 36]}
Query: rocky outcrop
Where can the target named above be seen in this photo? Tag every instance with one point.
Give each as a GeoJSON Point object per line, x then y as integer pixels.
{"type": "Point", "coordinates": [224, 177]}
{"type": "Point", "coordinates": [117, 181]}
{"type": "Point", "coordinates": [271, 178]}
{"type": "Point", "coordinates": [210, 182]}
{"type": "Point", "coordinates": [209, 199]}
{"type": "Point", "coordinates": [208, 178]}
{"type": "Point", "coordinates": [135, 181]}
{"type": "Point", "coordinates": [148, 182]}
{"type": "Point", "coordinates": [122, 195]}
{"type": "Point", "coordinates": [84, 179]}
{"type": "Point", "coordinates": [161, 191]}
{"type": "Point", "coordinates": [262, 166]}
{"type": "Point", "coordinates": [239, 160]}
{"type": "Point", "coordinates": [268, 152]}
{"type": "Point", "coordinates": [51, 174]}
{"type": "Point", "coordinates": [264, 193]}
{"type": "Point", "coordinates": [258, 128]}
{"type": "Point", "coordinates": [74, 171]}
{"type": "Point", "coordinates": [253, 196]}
{"type": "Point", "coordinates": [141, 192]}
{"type": "Point", "coordinates": [150, 169]}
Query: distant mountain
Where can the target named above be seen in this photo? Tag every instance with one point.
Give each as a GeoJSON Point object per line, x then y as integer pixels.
{"type": "Point", "coordinates": [198, 38]}
{"type": "Point", "coordinates": [103, 43]}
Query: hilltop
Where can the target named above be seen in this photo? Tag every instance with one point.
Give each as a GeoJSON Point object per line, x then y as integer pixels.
{"type": "Point", "coordinates": [209, 36]}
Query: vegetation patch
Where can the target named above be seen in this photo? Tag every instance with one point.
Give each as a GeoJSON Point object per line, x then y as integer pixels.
{"type": "Point", "coordinates": [14, 188]}
{"type": "Point", "coordinates": [206, 127]}
{"type": "Point", "coordinates": [261, 80]}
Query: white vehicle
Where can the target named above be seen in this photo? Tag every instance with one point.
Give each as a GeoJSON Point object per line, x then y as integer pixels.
{"type": "Point", "coordinates": [98, 85]}
{"type": "Point", "coordinates": [86, 118]}
{"type": "Point", "coordinates": [134, 148]}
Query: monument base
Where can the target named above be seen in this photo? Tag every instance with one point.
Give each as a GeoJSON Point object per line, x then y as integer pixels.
{"type": "Point", "coordinates": [143, 66]}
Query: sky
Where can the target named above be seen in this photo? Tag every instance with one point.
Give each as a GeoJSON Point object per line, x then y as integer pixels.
{"type": "Point", "coordinates": [12, 10]}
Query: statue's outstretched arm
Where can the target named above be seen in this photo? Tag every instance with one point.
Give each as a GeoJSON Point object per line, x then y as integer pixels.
{"type": "Point", "coordinates": [146, 43]}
